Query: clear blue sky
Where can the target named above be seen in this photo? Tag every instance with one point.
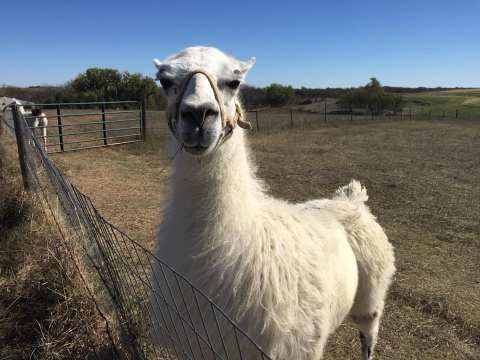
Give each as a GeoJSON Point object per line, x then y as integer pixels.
{"type": "Point", "coordinates": [313, 44]}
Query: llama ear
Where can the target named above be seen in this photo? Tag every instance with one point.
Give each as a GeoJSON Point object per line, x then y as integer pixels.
{"type": "Point", "coordinates": [245, 66]}
{"type": "Point", "coordinates": [157, 63]}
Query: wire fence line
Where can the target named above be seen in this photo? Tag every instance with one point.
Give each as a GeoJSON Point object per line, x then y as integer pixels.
{"type": "Point", "coordinates": [268, 119]}
{"type": "Point", "coordinates": [160, 314]}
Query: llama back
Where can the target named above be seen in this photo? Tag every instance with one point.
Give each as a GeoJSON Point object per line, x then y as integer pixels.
{"type": "Point", "coordinates": [373, 251]}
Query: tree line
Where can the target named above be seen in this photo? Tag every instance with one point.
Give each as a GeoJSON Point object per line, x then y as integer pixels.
{"type": "Point", "coordinates": [94, 85]}
{"type": "Point", "coordinates": [103, 84]}
{"type": "Point", "coordinates": [372, 97]}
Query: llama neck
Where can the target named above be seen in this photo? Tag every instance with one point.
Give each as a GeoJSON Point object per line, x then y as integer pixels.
{"type": "Point", "coordinates": [222, 185]}
{"type": "Point", "coordinates": [213, 222]}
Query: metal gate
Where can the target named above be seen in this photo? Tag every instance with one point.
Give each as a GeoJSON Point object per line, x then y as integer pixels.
{"type": "Point", "coordinates": [87, 125]}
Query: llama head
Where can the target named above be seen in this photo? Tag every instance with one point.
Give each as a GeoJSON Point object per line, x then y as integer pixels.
{"type": "Point", "coordinates": [36, 112]}
{"type": "Point", "coordinates": [201, 85]}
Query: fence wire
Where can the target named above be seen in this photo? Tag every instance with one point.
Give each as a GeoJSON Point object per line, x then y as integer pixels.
{"type": "Point", "coordinates": [160, 314]}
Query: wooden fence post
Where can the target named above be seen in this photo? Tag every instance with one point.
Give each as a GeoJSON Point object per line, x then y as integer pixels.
{"type": "Point", "coordinates": [104, 125]}
{"type": "Point", "coordinates": [143, 120]}
{"type": "Point", "coordinates": [1, 134]}
{"type": "Point", "coordinates": [20, 129]}
{"type": "Point", "coordinates": [60, 128]}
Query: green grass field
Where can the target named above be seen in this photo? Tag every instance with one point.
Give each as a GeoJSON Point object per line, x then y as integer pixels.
{"type": "Point", "coordinates": [467, 102]}
{"type": "Point", "coordinates": [434, 103]}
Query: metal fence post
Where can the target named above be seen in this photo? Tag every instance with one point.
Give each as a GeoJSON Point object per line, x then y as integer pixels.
{"type": "Point", "coordinates": [291, 119]}
{"type": "Point", "coordinates": [104, 125]}
{"type": "Point", "coordinates": [256, 120]}
{"type": "Point", "coordinates": [19, 123]}
{"type": "Point", "coordinates": [60, 128]}
{"type": "Point", "coordinates": [143, 120]}
{"type": "Point", "coordinates": [456, 114]}
{"type": "Point", "coordinates": [351, 113]}
{"type": "Point", "coordinates": [325, 112]}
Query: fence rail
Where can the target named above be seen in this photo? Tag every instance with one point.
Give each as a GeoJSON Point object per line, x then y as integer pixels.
{"type": "Point", "coordinates": [161, 305]}
{"type": "Point", "coordinates": [107, 122]}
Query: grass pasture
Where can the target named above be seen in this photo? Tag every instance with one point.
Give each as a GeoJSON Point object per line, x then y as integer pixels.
{"type": "Point", "coordinates": [466, 101]}
{"type": "Point", "coordinates": [422, 178]}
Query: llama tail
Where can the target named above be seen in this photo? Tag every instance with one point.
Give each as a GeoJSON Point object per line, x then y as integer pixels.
{"type": "Point", "coordinates": [353, 192]}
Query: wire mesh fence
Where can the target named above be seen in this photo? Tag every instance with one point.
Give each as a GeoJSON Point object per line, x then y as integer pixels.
{"type": "Point", "coordinates": [271, 119]}
{"type": "Point", "coordinates": [282, 119]}
{"type": "Point", "coordinates": [267, 120]}
{"type": "Point", "coordinates": [160, 314]}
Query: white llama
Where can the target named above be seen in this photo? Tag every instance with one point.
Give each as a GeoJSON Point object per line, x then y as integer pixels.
{"type": "Point", "coordinates": [36, 120]}
{"type": "Point", "coordinates": [287, 273]}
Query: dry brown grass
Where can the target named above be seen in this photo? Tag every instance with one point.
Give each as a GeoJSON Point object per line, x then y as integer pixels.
{"type": "Point", "coordinates": [45, 312]}
{"type": "Point", "coordinates": [423, 183]}
{"type": "Point", "coordinates": [422, 178]}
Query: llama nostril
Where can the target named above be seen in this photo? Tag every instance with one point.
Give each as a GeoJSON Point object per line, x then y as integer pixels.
{"type": "Point", "coordinates": [210, 113]}
{"type": "Point", "coordinates": [198, 115]}
{"type": "Point", "coordinates": [192, 117]}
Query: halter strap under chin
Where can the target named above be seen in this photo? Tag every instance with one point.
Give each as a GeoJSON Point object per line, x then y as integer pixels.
{"type": "Point", "coordinates": [228, 124]}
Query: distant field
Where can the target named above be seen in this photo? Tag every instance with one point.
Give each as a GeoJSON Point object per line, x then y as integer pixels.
{"type": "Point", "coordinates": [437, 103]}
{"type": "Point", "coordinates": [467, 102]}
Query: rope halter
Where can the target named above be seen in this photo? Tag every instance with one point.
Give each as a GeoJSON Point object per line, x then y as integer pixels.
{"type": "Point", "coordinates": [228, 124]}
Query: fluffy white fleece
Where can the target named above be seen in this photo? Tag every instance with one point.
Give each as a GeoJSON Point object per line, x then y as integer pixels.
{"type": "Point", "coordinates": [287, 273]}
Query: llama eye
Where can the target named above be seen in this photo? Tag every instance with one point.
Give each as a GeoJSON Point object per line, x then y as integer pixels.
{"type": "Point", "coordinates": [234, 84]}
{"type": "Point", "coordinates": [166, 83]}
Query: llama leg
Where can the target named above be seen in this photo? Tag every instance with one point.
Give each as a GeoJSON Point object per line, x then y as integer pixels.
{"type": "Point", "coordinates": [319, 348]}
{"type": "Point", "coordinates": [44, 131]}
{"type": "Point", "coordinates": [368, 309]}
{"type": "Point", "coordinates": [368, 326]}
